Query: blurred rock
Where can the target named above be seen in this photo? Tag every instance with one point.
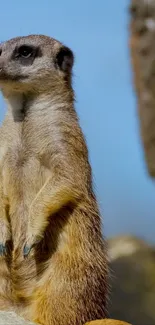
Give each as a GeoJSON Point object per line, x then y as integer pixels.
{"type": "Point", "coordinates": [132, 264]}
{"type": "Point", "coordinates": [142, 55]}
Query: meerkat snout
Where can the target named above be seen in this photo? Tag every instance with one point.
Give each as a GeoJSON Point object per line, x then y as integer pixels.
{"type": "Point", "coordinates": [26, 63]}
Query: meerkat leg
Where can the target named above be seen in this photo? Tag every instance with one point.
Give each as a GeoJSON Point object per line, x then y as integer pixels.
{"type": "Point", "coordinates": [55, 194]}
{"type": "Point", "coordinates": [5, 256]}
{"type": "Point", "coordinates": [5, 232]}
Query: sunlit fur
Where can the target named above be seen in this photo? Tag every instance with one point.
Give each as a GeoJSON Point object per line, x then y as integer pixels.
{"type": "Point", "coordinates": [107, 322]}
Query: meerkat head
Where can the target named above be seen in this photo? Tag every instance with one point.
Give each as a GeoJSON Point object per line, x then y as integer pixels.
{"type": "Point", "coordinates": [34, 63]}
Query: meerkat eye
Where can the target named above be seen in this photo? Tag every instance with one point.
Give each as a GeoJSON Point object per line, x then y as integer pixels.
{"type": "Point", "coordinates": [0, 52]}
{"type": "Point", "coordinates": [25, 51]}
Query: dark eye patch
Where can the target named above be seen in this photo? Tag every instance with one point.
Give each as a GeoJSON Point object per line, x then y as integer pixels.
{"type": "Point", "coordinates": [26, 54]}
{"type": "Point", "coordinates": [25, 51]}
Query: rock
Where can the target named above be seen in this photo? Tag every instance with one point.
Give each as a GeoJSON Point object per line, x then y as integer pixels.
{"type": "Point", "coordinates": [132, 263]}
{"type": "Point", "coordinates": [9, 318]}
{"type": "Point", "coordinates": [142, 53]}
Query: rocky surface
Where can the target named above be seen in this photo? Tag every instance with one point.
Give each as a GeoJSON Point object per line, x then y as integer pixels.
{"type": "Point", "coordinates": [7, 318]}
{"type": "Point", "coordinates": [12, 319]}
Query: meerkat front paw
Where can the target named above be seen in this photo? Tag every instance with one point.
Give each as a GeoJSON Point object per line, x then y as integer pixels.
{"type": "Point", "coordinates": [29, 244]}
{"type": "Point", "coordinates": [5, 236]}
{"type": "Point", "coordinates": [31, 241]}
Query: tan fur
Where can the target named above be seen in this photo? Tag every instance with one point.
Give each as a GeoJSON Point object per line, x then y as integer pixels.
{"type": "Point", "coordinates": [107, 322]}
{"type": "Point", "coordinates": [50, 210]}
{"type": "Point", "coordinates": [142, 51]}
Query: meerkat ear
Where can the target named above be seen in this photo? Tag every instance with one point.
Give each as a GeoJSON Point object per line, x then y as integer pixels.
{"type": "Point", "coordinates": [65, 59]}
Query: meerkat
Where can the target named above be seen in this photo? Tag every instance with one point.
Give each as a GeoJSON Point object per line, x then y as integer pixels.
{"type": "Point", "coordinates": [142, 54]}
{"type": "Point", "coordinates": [53, 267]}
{"type": "Point", "coordinates": [53, 264]}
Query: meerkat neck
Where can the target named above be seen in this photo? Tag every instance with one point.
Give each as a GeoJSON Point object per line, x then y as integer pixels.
{"type": "Point", "coordinates": [16, 107]}
{"type": "Point", "coordinates": [49, 102]}
{"type": "Point", "coordinates": [21, 105]}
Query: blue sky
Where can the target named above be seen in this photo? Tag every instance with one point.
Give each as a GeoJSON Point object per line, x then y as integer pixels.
{"type": "Point", "coordinates": [97, 31]}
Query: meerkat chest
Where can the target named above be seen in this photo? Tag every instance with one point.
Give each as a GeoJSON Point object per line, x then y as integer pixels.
{"type": "Point", "coordinates": [3, 151]}
{"type": "Point", "coordinates": [22, 170]}
{"type": "Point", "coordinates": [25, 153]}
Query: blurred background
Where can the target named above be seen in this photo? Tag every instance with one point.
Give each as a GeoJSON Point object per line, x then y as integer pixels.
{"type": "Point", "coordinates": [97, 32]}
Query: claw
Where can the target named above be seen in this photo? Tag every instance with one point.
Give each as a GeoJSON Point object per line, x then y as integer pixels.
{"type": "Point", "coordinates": [26, 250]}
{"type": "Point", "coordinates": [2, 250]}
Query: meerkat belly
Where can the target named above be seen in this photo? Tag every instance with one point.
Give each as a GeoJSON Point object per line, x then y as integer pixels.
{"type": "Point", "coordinates": [23, 176]}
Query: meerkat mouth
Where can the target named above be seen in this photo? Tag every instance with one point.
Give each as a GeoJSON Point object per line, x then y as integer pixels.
{"type": "Point", "coordinates": [8, 77]}
{"type": "Point", "coordinates": [3, 75]}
